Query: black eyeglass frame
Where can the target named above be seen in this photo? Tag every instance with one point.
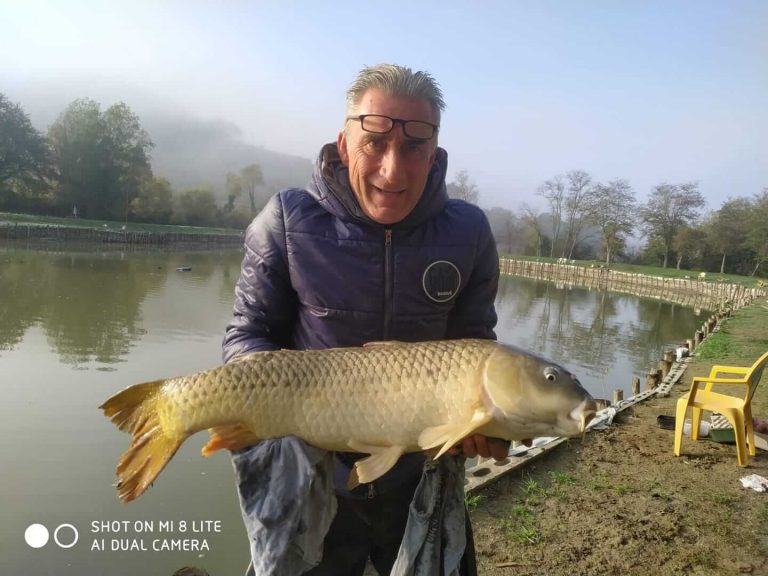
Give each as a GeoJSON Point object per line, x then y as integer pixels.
{"type": "Point", "coordinates": [395, 122]}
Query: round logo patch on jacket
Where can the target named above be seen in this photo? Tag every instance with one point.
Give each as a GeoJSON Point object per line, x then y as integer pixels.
{"type": "Point", "coordinates": [441, 281]}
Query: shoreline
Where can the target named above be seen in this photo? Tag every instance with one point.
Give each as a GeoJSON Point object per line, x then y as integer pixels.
{"type": "Point", "coordinates": [54, 233]}
{"type": "Point", "coordinates": [620, 502]}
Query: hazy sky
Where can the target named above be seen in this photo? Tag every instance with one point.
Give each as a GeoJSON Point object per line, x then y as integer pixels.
{"type": "Point", "coordinates": [648, 91]}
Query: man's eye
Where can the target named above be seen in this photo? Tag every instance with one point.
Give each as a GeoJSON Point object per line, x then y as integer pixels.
{"type": "Point", "coordinates": [414, 149]}
{"type": "Point", "coordinates": [375, 145]}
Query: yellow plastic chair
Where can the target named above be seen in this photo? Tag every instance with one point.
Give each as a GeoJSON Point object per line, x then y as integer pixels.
{"type": "Point", "coordinates": [737, 409]}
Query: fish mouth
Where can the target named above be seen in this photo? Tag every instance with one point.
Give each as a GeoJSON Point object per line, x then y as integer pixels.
{"type": "Point", "coordinates": [584, 414]}
{"type": "Point", "coordinates": [584, 420]}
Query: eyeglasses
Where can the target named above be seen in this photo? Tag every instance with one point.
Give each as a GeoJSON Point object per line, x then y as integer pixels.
{"type": "Point", "coordinates": [378, 124]}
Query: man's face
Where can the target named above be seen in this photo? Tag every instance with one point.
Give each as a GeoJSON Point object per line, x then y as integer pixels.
{"type": "Point", "coordinates": [388, 172]}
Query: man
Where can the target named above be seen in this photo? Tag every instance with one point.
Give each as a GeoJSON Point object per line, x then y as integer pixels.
{"type": "Point", "coordinates": [372, 250]}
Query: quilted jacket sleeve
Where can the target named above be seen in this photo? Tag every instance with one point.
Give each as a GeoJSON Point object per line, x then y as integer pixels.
{"type": "Point", "coordinates": [474, 315]}
{"type": "Point", "coordinates": [265, 302]}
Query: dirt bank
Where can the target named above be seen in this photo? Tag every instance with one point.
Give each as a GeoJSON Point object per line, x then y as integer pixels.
{"type": "Point", "coordinates": [622, 503]}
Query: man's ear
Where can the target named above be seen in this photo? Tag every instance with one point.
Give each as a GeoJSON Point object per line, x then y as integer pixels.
{"type": "Point", "coordinates": [341, 144]}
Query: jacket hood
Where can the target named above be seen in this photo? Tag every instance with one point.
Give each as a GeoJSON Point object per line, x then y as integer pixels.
{"type": "Point", "coordinates": [331, 188]}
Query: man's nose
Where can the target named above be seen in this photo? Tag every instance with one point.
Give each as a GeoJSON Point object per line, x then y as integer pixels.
{"type": "Point", "coordinates": [392, 161]}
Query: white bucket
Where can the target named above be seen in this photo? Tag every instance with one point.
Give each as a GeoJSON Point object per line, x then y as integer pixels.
{"type": "Point", "coordinates": [703, 428]}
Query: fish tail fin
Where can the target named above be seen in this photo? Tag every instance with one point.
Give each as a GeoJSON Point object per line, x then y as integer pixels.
{"type": "Point", "coordinates": [134, 410]}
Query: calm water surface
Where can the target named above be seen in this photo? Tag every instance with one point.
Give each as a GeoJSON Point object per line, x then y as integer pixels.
{"type": "Point", "coordinates": [77, 326]}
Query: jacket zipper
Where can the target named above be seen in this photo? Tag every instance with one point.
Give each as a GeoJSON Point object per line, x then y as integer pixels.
{"type": "Point", "coordinates": [388, 281]}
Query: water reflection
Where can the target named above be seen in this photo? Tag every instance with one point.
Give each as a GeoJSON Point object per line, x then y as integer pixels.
{"type": "Point", "coordinates": [76, 326]}
{"type": "Point", "coordinates": [94, 305]}
{"type": "Point", "coordinates": [89, 304]}
{"type": "Point", "coordinates": [604, 337]}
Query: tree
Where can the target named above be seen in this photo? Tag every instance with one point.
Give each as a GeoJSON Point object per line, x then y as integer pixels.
{"type": "Point", "coordinates": [757, 225]}
{"type": "Point", "coordinates": [726, 230]}
{"type": "Point", "coordinates": [251, 177]}
{"type": "Point", "coordinates": [689, 242]}
{"type": "Point", "coordinates": [77, 139]}
{"type": "Point", "coordinates": [669, 208]}
{"type": "Point", "coordinates": [554, 192]}
{"type": "Point", "coordinates": [532, 220]}
{"type": "Point", "coordinates": [463, 188]}
{"type": "Point", "coordinates": [197, 207]}
{"type": "Point", "coordinates": [26, 161]}
{"type": "Point", "coordinates": [610, 207]}
{"type": "Point", "coordinates": [575, 208]}
{"type": "Point", "coordinates": [128, 147]}
{"type": "Point", "coordinates": [102, 158]}
{"type": "Point", "coordinates": [505, 228]}
{"type": "Point", "coordinates": [154, 202]}
{"type": "Point", "coordinates": [234, 186]}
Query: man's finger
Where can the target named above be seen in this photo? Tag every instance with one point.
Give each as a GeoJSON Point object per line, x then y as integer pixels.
{"type": "Point", "coordinates": [498, 448]}
{"type": "Point", "coordinates": [481, 444]}
{"type": "Point", "coordinates": [469, 447]}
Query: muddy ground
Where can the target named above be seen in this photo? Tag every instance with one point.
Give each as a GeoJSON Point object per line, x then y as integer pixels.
{"type": "Point", "coordinates": [622, 503]}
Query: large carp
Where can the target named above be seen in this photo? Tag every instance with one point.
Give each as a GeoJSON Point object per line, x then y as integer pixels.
{"type": "Point", "coordinates": [382, 399]}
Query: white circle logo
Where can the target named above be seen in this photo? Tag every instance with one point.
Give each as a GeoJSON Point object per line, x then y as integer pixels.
{"type": "Point", "coordinates": [74, 537]}
{"type": "Point", "coordinates": [36, 535]}
{"type": "Point", "coordinates": [441, 281]}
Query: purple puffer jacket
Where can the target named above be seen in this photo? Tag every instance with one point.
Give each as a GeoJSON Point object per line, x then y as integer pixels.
{"type": "Point", "coordinates": [318, 273]}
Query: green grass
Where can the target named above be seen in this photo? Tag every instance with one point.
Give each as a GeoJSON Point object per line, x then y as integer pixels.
{"type": "Point", "coordinates": [525, 534]}
{"type": "Point", "coordinates": [702, 557]}
{"type": "Point", "coordinates": [560, 483]}
{"type": "Point", "coordinates": [657, 489]}
{"type": "Point", "coordinates": [111, 225]}
{"type": "Point", "coordinates": [521, 527]}
{"type": "Point", "coordinates": [522, 513]}
{"type": "Point", "coordinates": [716, 346]}
{"type": "Point", "coordinates": [472, 501]}
{"type": "Point", "coordinates": [742, 336]}
{"type": "Point", "coordinates": [601, 483]}
{"type": "Point", "coordinates": [562, 478]}
{"type": "Point", "coordinates": [533, 491]}
{"type": "Point", "coordinates": [726, 500]}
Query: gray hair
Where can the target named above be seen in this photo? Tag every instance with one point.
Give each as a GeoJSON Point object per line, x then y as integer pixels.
{"type": "Point", "coordinates": [397, 81]}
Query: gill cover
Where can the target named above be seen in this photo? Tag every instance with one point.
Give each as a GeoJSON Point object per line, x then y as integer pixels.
{"type": "Point", "coordinates": [502, 380]}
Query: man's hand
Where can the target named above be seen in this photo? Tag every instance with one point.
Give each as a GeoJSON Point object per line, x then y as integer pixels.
{"type": "Point", "coordinates": [479, 445]}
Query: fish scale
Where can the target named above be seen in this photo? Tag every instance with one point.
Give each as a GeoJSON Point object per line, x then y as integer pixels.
{"type": "Point", "coordinates": [350, 392]}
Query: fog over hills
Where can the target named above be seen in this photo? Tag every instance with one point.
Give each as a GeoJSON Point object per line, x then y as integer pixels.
{"type": "Point", "coordinates": [191, 149]}
{"type": "Point", "coordinates": [190, 152]}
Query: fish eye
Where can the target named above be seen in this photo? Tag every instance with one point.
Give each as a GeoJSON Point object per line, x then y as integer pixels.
{"type": "Point", "coordinates": [550, 373]}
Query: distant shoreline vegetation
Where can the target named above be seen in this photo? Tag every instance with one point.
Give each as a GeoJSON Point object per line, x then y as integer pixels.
{"type": "Point", "coordinates": [97, 163]}
{"type": "Point", "coordinates": [15, 226]}
{"type": "Point", "coordinates": [51, 228]}
{"type": "Point", "coordinates": [646, 270]}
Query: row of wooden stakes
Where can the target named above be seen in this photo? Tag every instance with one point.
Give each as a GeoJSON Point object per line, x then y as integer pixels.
{"type": "Point", "coordinates": [656, 376]}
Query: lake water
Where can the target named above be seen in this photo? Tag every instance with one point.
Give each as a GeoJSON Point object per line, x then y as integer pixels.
{"type": "Point", "coordinates": [76, 326]}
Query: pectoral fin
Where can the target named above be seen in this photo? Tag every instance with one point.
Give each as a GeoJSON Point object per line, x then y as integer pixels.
{"type": "Point", "coordinates": [380, 461]}
{"type": "Point", "coordinates": [231, 437]}
{"type": "Point", "coordinates": [448, 435]}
